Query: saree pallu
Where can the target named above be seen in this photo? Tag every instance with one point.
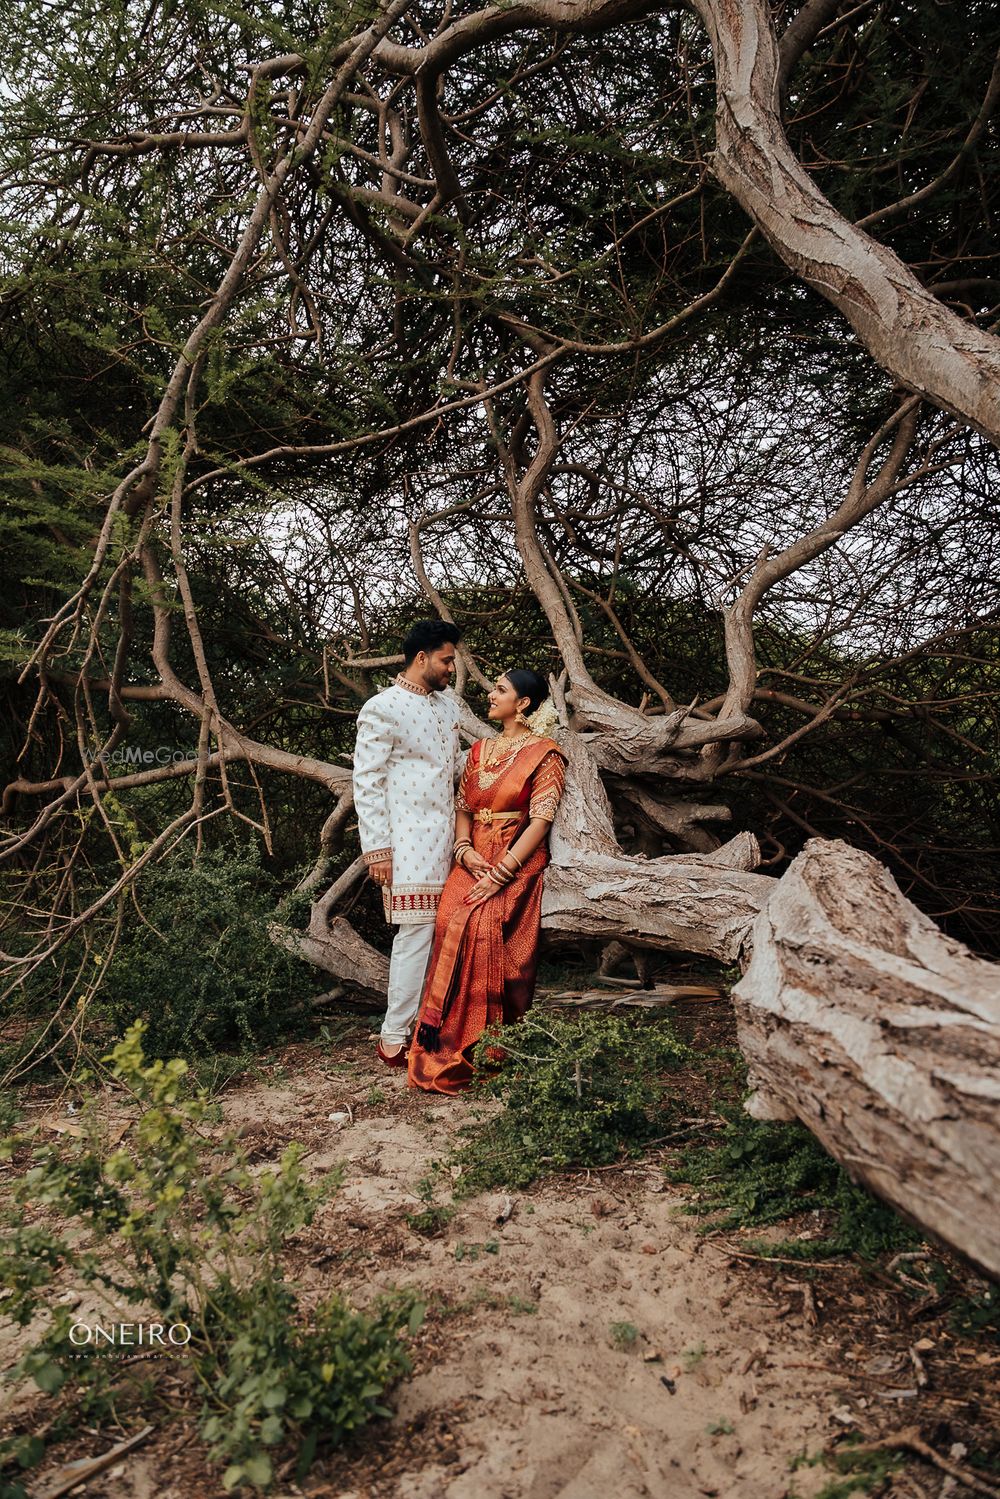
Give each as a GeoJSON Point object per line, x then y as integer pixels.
{"type": "Point", "coordinates": [485, 957]}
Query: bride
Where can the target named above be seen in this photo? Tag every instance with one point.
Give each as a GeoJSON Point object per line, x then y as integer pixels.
{"type": "Point", "coordinates": [485, 954]}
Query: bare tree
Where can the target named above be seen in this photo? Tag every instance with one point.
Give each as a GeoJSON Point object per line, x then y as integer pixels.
{"type": "Point", "coordinates": [395, 277]}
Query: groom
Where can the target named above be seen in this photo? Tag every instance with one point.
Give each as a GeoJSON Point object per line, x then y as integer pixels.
{"type": "Point", "coordinates": [405, 765]}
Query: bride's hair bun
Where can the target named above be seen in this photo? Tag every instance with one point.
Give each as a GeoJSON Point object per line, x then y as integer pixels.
{"type": "Point", "coordinates": [528, 683]}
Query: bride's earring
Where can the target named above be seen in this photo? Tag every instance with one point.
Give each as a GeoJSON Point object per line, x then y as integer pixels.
{"type": "Point", "coordinates": [520, 718]}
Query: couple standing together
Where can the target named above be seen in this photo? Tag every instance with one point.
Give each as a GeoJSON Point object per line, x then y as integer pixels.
{"type": "Point", "coordinates": [460, 874]}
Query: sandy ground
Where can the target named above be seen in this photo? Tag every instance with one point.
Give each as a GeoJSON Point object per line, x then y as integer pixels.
{"type": "Point", "coordinates": [520, 1388]}
{"type": "Point", "coordinates": [713, 1397]}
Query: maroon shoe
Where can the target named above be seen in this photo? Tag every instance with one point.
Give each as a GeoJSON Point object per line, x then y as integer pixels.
{"type": "Point", "coordinates": [399, 1060]}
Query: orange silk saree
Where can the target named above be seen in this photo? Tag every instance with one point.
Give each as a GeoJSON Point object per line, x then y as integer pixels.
{"type": "Point", "coordinates": [484, 959]}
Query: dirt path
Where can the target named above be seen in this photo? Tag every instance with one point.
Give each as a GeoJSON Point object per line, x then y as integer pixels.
{"type": "Point", "coordinates": [590, 1344]}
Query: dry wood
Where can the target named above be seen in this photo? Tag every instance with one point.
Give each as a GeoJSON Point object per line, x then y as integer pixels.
{"type": "Point", "coordinates": [910, 1440]}
{"type": "Point", "coordinates": [924, 344]}
{"type": "Point", "coordinates": [860, 1018]}
{"type": "Point", "coordinates": [671, 903]}
{"type": "Point", "coordinates": [647, 999]}
{"type": "Point", "coordinates": [340, 951]}
{"type": "Point", "coordinates": [79, 1472]}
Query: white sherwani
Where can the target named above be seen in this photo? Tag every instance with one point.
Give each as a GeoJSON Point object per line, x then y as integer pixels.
{"type": "Point", "coordinates": [405, 764]}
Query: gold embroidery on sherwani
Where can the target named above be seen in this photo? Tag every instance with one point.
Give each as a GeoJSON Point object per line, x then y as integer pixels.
{"type": "Point", "coordinates": [404, 765]}
{"type": "Point", "coordinates": [409, 686]}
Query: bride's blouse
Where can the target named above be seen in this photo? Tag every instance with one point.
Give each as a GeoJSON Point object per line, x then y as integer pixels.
{"type": "Point", "coordinates": [540, 794]}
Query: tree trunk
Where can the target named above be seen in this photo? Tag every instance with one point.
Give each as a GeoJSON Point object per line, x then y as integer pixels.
{"type": "Point", "coordinates": [703, 903]}
{"type": "Point", "coordinates": [860, 1018]}
{"type": "Point", "coordinates": [341, 952]}
{"type": "Point", "coordinates": [922, 343]}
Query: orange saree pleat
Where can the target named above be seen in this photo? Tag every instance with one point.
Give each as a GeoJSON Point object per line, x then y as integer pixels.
{"type": "Point", "coordinates": [484, 960]}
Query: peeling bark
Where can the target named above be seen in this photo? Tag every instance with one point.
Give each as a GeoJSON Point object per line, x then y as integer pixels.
{"type": "Point", "coordinates": [675, 903]}
{"type": "Point", "coordinates": [860, 1018]}
{"type": "Point", "coordinates": [703, 903]}
{"type": "Point", "coordinates": [917, 339]}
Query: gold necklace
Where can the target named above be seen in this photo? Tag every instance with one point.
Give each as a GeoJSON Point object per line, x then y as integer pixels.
{"type": "Point", "coordinates": [491, 757]}
{"type": "Point", "coordinates": [494, 756]}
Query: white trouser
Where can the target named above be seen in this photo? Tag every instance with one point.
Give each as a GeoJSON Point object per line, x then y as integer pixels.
{"type": "Point", "coordinates": [411, 953]}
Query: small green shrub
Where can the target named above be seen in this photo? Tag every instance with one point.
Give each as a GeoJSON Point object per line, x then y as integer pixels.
{"type": "Point", "coordinates": [624, 1335]}
{"type": "Point", "coordinates": [861, 1472]}
{"type": "Point", "coordinates": [473, 1252]}
{"type": "Point", "coordinates": [753, 1174]}
{"type": "Point", "coordinates": [180, 1226]}
{"type": "Point", "coordinates": [201, 969]}
{"type": "Point", "coordinates": [577, 1092]}
{"type": "Point", "coordinates": [977, 1313]}
{"type": "Point", "coordinates": [433, 1217]}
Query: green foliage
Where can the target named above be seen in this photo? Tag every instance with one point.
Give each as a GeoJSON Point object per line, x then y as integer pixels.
{"type": "Point", "coordinates": [973, 1305]}
{"type": "Point", "coordinates": [577, 1092]}
{"type": "Point", "coordinates": [180, 1229]}
{"type": "Point", "coordinates": [861, 1472]}
{"type": "Point", "coordinates": [624, 1335]}
{"type": "Point", "coordinates": [752, 1174]}
{"type": "Point", "coordinates": [10, 1111]}
{"type": "Point", "coordinates": [434, 1216]}
{"type": "Point", "coordinates": [472, 1252]}
{"type": "Point", "coordinates": [200, 968]}
{"type": "Point", "coordinates": [977, 1314]}
{"type": "Point", "coordinates": [276, 1380]}
{"type": "Point", "coordinates": [720, 1428]}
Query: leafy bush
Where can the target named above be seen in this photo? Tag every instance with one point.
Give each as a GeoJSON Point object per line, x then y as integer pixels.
{"type": "Point", "coordinates": [754, 1173]}
{"type": "Point", "coordinates": [201, 969]}
{"type": "Point", "coordinates": [577, 1092]}
{"type": "Point", "coordinates": [181, 1226]}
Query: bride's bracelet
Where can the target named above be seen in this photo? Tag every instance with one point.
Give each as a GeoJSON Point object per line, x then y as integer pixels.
{"type": "Point", "coordinates": [461, 849]}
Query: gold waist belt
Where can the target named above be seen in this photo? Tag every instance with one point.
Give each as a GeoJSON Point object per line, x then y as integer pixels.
{"type": "Point", "coordinates": [486, 814]}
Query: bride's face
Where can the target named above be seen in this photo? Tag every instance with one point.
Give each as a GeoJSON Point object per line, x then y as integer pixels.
{"type": "Point", "coordinates": [504, 701]}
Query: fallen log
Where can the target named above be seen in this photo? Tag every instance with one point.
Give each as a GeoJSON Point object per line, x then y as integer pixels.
{"type": "Point", "coordinates": [656, 998]}
{"type": "Point", "coordinates": [882, 1035]}
{"type": "Point", "coordinates": [696, 902]}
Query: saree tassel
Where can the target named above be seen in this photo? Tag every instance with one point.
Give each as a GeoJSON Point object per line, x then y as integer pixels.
{"type": "Point", "coordinates": [429, 1036]}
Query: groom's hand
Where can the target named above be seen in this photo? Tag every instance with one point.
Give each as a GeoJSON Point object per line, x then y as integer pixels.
{"type": "Point", "coordinates": [381, 873]}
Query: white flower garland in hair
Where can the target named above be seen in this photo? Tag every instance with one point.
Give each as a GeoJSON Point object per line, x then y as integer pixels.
{"type": "Point", "coordinates": [544, 719]}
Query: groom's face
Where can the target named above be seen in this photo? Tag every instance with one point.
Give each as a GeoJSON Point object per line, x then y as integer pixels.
{"type": "Point", "coordinates": [439, 668]}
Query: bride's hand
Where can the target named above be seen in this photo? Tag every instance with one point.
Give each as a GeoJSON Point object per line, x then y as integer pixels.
{"type": "Point", "coordinates": [475, 864]}
{"type": "Point", "coordinates": [481, 890]}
